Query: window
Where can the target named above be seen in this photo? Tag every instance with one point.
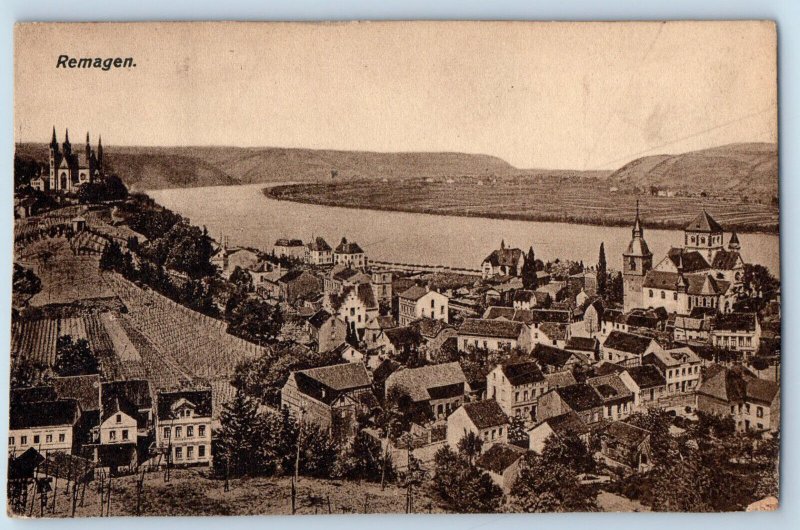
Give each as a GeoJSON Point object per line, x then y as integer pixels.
{"type": "Point", "coordinates": [201, 451]}
{"type": "Point", "coordinates": [759, 412]}
{"type": "Point", "coordinates": [166, 432]}
{"type": "Point", "coordinates": [178, 432]}
{"type": "Point", "coordinates": [663, 295]}
{"type": "Point", "coordinates": [190, 431]}
{"type": "Point", "coordinates": [179, 453]}
{"type": "Point", "coordinates": [433, 304]}
{"type": "Point", "coordinates": [650, 293]}
{"type": "Point", "coordinates": [10, 440]}
{"type": "Point", "coordinates": [493, 433]}
{"type": "Point", "coordinates": [124, 434]}
{"type": "Point", "coordinates": [516, 396]}
{"type": "Point", "coordinates": [675, 296]}
{"type": "Point", "coordinates": [62, 437]}
{"type": "Point", "coordinates": [189, 453]}
{"type": "Point", "coordinates": [23, 440]}
{"type": "Point", "coordinates": [48, 439]}
{"type": "Point", "coordinates": [119, 418]}
{"type": "Point", "coordinates": [112, 435]}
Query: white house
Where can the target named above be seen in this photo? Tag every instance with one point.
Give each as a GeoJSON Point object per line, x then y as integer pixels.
{"type": "Point", "coordinates": [680, 366]}
{"type": "Point", "coordinates": [420, 302]}
{"type": "Point", "coordinates": [493, 335]}
{"type": "Point", "coordinates": [183, 426]}
{"type": "Point", "coordinates": [47, 426]}
{"type": "Point", "coordinates": [484, 418]}
{"type": "Point", "coordinates": [738, 332]}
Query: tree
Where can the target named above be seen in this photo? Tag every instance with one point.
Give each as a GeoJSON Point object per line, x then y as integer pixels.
{"type": "Point", "coordinates": [602, 277]}
{"type": "Point", "coordinates": [470, 446]}
{"type": "Point", "coordinates": [25, 373]}
{"type": "Point", "coordinates": [529, 279]}
{"type": "Point", "coordinates": [256, 320]}
{"type": "Point", "coordinates": [74, 358]}
{"type": "Point", "coordinates": [362, 459]}
{"type": "Point", "coordinates": [549, 486]}
{"type": "Point", "coordinates": [241, 430]}
{"type": "Point", "coordinates": [242, 280]}
{"type": "Point", "coordinates": [111, 258]}
{"type": "Point", "coordinates": [570, 451]}
{"type": "Point", "coordinates": [517, 434]}
{"type": "Point", "coordinates": [462, 486]}
{"type": "Point", "coordinates": [25, 282]}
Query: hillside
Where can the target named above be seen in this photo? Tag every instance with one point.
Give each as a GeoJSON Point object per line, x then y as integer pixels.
{"type": "Point", "coordinates": [749, 169]}
{"type": "Point", "coordinates": [177, 167]}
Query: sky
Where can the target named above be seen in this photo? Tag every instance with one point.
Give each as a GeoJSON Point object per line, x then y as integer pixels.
{"type": "Point", "coordinates": [538, 95]}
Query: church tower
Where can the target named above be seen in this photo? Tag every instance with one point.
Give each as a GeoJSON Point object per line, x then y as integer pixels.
{"type": "Point", "coordinates": [100, 153]}
{"type": "Point", "coordinates": [53, 159]}
{"type": "Point", "coordinates": [637, 261]}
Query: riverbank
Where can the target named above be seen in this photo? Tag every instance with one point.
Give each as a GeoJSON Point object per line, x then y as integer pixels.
{"type": "Point", "coordinates": [575, 201]}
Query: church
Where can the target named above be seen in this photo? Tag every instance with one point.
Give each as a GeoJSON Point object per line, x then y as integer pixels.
{"type": "Point", "coordinates": [701, 273]}
{"type": "Point", "coordinates": [68, 169]}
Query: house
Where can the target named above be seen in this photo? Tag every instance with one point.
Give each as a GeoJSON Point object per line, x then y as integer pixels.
{"type": "Point", "coordinates": [325, 330]}
{"type": "Point", "coordinates": [43, 425]}
{"type": "Point", "coordinates": [528, 299]}
{"type": "Point", "coordinates": [350, 255]}
{"type": "Point", "coordinates": [688, 328]}
{"type": "Point", "coordinates": [421, 302]}
{"type": "Point", "coordinates": [738, 332]}
{"type": "Point", "coordinates": [562, 426]}
{"type": "Point", "coordinates": [355, 305]}
{"type": "Point", "coordinates": [516, 385]}
{"type": "Point", "coordinates": [289, 248]}
{"type": "Point", "coordinates": [753, 403]}
{"type": "Point", "coordinates": [85, 389]}
{"type": "Point", "coordinates": [126, 418]}
{"type": "Point", "coordinates": [484, 418]}
{"type": "Point", "coordinates": [627, 348]}
{"type": "Point", "coordinates": [559, 379]}
{"type": "Point", "coordinates": [593, 317]}
{"type": "Point", "coordinates": [551, 333]}
{"type": "Point", "coordinates": [434, 333]}
{"type": "Point", "coordinates": [618, 399]}
{"type": "Point", "coordinates": [331, 397]}
{"type": "Point", "coordinates": [183, 426]}
{"type": "Point", "coordinates": [553, 359]}
{"type": "Point", "coordinates": [239, 257]}
{"type": "Point", "coordinates": [493, 335]}
{"type": "Point", "coordinates": [296, 284]}
{"type": "Point", "coordinates": [680, 366]}
{"type": "Point", "coordinates": [502, 463]}
{"type": "Point", "coordinates": [625, 446]}
{"type": "Point", "coordinates": [348, 353]}
{"type": "Point", "coordinates": [504, 261]}
{"type": "Point", "coordinates": [376, 327]}
{"type": "Point", "coordinates": [648, 385]}
{"type": "Point", "coordinates": [341, 276]}
{"type": "Point", "coordinates": [579, 398]}
{"type": "Point", "coordinates": [556, 291]}
{"type": "Point", "coordinates": [587, 346]}
{"type": "Point", "coordinates": [401, 340]}
{"type": "Point", "coordinates": [319, 252]}
{"type": "Point", "coordinates": [431, 391]}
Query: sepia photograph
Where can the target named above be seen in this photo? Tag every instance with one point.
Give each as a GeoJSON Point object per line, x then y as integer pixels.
{"type": "Point", "coordinates": [267, 268]}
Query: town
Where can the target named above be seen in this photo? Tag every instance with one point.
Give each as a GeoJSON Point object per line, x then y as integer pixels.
{"type": "Point", "coordinates": [149, 358]}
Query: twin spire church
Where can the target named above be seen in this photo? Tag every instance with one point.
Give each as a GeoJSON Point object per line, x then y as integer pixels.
{"type": "Point", "coordinates": [701, 273]}
{"type": "Point", "coordinates": [70, 169]}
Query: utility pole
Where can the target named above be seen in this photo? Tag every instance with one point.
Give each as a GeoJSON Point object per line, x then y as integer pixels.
{"type": "Point", "coordinates": [297, 463]}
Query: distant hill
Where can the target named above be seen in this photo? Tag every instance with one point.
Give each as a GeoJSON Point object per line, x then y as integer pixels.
{"type": "Point", "coordinates": [177, 167]}
{"type": "Point", "coordinates": [747, 169]}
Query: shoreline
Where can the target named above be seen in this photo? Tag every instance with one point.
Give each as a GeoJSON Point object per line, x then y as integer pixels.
{"type": "Point", "coordinates": [272, 192]}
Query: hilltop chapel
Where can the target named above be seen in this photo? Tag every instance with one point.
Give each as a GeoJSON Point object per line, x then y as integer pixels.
{"type": "Point", "coordinates": [701, 273]}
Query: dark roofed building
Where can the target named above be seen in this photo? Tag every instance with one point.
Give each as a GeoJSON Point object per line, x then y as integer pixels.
{"type": "Point", "coordinates": [431, 391]}
{"type": "Point", "coordinates": [43, 425]}
{"type": "Point", "coordinates": [84, 388]}
{"type": "Point", "coordinates": [502, 462]}
{"type": "Point", "coordinates": [484, 418]}
{"type": "Point", "coordinates": [350, 254]}
{"type": "Point", "coordinates": [627, 348]}
{"type": "Point", "coordinates": [493, 335]}
{"type": "Point", "coordinates": [33, 394]}
{"type": "Point", "coordinates": [503, 261]}
{"type": "Point", "coordinates": [561, 426]}
{"type": "Point", "coordinates": [183, 425]}
{"type": "Point", "coordinates": [588, 346]}
{"type": "Point", "coordinates": [553, 359]}
{"type": "Point", "coordinates": [753, 403]}
{"type": "Point", "coordinates": [618, 399]}
{"type": "Point", "coordinates": [331, 397]}
{"type": "Point", "coordinates": [516, 385]}
{"type": "Point", "coordinates": [626, 446]}
{"type": "Point", "coordinates": [580, 398]}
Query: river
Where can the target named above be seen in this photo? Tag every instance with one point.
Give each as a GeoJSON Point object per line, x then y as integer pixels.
{"type": "Point", "coordinates": [249, 218]}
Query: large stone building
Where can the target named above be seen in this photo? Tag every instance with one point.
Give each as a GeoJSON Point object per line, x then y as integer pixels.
{"type": "Point", "coordinates": [701, 273]}
{"type": "Point", "coordinates": [69, 170]}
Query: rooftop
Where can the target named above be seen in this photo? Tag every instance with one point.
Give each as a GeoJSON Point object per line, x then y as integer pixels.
{"type": "Point", "coordinates": [627, 342]}
{"type": "Point", "coordinates": [485, 414]}
{"type": "Point", "coordinates": [491, 328]}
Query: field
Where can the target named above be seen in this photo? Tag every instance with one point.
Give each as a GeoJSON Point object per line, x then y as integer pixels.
{"type": "Point", "coordinates": [555, 199]}
{"type": "Point", "coordinates": [193, 492]}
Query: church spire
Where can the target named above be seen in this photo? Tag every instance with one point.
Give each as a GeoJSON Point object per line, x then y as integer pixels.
{"type": "Point", "coordinates": [638, 231]}
{"type": "Point", "coordinates": [733, 244]}
{"type": "Point", "coordinates": [100, 151]}
{"type": "Point", "coordinates": [53, 141]}
{"type": "Point", "coordinates": [67, 146]}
